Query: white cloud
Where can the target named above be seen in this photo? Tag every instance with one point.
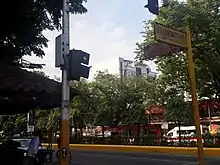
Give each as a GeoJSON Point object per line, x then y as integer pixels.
{"type": "Point", "coordinates": [105, 43]}
{"type": "Point", "coordinates": [104, 40]}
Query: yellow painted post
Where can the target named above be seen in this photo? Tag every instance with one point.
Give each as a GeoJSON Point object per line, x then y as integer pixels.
{"type": "Point", "coordinates": [64, 129]}
{"type": "Point", "coordinates": [194, 96]}
{"type": "Point", "coordinates": [64, 142]}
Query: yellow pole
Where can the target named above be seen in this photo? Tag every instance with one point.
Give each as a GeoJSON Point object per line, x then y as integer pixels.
{"type": "Point", "coordinates": [194, 96]}
{"type": "Point", "coordinates": [64, 129]}
{"type": "Point", "coordinates": [64, 142]}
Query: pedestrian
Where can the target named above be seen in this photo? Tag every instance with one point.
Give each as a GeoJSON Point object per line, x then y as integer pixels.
{"type": "Point", "coordinates": [33, 148]}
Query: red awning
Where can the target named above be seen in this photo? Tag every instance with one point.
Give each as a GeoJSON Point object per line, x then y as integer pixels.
{"type": "Point", "coordinates": [211, 103]}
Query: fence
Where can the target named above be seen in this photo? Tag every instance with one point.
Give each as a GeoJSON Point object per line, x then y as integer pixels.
{"type": "Point", "coordinates": [144, 141]}
{"type": "Point", "coordinates": [209, 141]}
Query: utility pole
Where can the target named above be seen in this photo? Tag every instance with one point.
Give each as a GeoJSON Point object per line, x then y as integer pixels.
{"type": "Point", "coordinates": [194, 96]}
{"type": "Point", "coordinates": [74, 65]}
{"type": "Point", "coordinates": [186, 43]}
{"type": "Point", "coordinates": [30, 123]}
{"type": "Point", "coordinates": [64, 131]}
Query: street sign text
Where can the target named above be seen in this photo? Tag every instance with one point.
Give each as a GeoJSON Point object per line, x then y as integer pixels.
{"type": "Point", "coordinates": [169, 35]}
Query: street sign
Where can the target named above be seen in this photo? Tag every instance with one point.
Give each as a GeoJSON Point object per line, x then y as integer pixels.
{"type": "Point", "coordinates": [30, 118]}
{"type": "Point", "coordinates": [30, 128]}
{"type": "Point", "coordinates": [168, 35]}
{"type": "Point", "coordinates": [160, 49]}
{"type": "Point", "coordinates": [30, 124]}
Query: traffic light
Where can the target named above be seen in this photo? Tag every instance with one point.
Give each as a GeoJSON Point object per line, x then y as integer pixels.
{"type": "Point", "coordinates": [153, 6]}
{"type": "Point", "coordinates": [78, 62]}
{"type": "Point", "coordinates": [165, 3]}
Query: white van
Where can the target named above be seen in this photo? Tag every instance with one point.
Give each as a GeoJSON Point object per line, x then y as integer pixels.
{"type": "Point", "coordinates": [188, 133]}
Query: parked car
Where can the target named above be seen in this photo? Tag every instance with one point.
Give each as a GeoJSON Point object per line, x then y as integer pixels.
{"type": "Point", "coordinates": [24, 143]}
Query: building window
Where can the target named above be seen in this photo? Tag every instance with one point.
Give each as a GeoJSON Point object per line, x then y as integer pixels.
{"type": "Point", "coordinates": [121, 69]}
{"type": "Point", "coordinates": [148, 70]}
{"type": "Point", "coordinates": [138, 71]}
{"type": "Point", "coordinates": [126, 72]}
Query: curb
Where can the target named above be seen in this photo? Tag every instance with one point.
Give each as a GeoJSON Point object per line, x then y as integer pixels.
{"type": "Point", "coordinates": [214, 152]}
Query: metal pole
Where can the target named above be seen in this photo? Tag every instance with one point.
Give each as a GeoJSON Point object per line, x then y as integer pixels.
{"type": "Point", "coordinates": [194, 96]}
{"type": "Point", "coordinates": [210, 122]}
{"type": "Point", "coordinates": [64, 131]}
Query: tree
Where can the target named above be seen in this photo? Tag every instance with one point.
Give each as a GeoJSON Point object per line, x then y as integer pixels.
{"type": "Point", "coordinates": [123, 100]}
{"type": "Point", "coordinates": [107, 85]}
{"type": "Point", "coordinates": [79, 109]}
{"type": "Point", "coordinates": [21, 32]}
{"type": "Point", "coordinates": [11, 125]}
{"type": "Point", "coordinates": [85, 107]}
{"type": "Point", "coordinates": [48, 120]}
{"type": "Point", "coordinates": [80, 112]}
{"type": "Point", "coordinates": [178, 111]}
{"type": "Point", "coordinates": [203, 18]}
{"type": "Point", "coordinates": [138, 92]}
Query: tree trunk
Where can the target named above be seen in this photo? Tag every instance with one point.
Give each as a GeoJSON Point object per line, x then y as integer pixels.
{"type": "Point", "coordinates": [81, 131]}
{"type": "Point", "coordinates": [75, 130]}
{"type": "Point", "coordinates": [103, 131]}
{"type": "Point", "coordinates": [50, 137]}
{"type": "Point", "coordinates": [179, 125]}
{"type": "Point", "coordinates": [138, 133]}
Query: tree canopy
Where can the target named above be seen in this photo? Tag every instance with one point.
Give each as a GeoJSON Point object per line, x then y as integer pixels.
{"type": "Point", "coordinates": [203, 18]}
{"type": "Point", "coordinates": [179, 111]}
{"type": "Point", "coordinates": [110, 100]}
{"type": "Point", "coordinates": [107, 100]}
{"type": "Point", "coordinates": [23, 23]}
{"type": "Point", "coordinates": [124, 100]}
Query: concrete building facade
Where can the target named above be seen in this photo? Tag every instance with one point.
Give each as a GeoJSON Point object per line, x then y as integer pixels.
{"type": "Point", "coordinates": [130, 68]}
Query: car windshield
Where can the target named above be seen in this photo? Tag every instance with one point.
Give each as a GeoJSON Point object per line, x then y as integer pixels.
{"type": "Point", "coordinates": [23, 142]}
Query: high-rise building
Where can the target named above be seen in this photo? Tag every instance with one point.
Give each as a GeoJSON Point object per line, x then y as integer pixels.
{"type": "Point", "coordinates": [130, 68]}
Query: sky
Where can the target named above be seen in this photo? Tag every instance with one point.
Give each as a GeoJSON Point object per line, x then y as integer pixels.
{"type": "Point", "coordinates": [109, 30]}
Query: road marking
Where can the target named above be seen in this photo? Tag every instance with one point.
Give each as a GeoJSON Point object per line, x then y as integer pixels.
{"type": "Point", "coordinates": [137, 158]}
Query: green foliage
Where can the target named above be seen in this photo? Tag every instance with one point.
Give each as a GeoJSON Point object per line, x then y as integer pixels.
{"type": "Point", "coordinates": [22, 29]}
{"type": "Point", "coordinates": [110, 100]}
{"type": "Point", "coordinates": [123, 100]}
{"type": "Point", "coordinates": [203, 18]}
{"type": "Point", "coordinates": [47, 119]}
{"type": "Point", "coordinates": [178, 110]}
{"type": "Point", "coordinates": [13, 124]}
{"type": "Point", "coordinates": [81, 111]}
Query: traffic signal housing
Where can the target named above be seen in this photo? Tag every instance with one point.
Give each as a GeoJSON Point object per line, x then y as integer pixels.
{"type": "Point", "coordinates": [153, 6]}
{"type": "Point", "coordinates": [165, 3]}
{"type": "Point", "coordinates": [78, 62]}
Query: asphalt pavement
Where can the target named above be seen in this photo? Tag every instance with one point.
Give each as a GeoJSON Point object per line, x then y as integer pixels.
{"type": "Point", "coordinates": [120, 158]}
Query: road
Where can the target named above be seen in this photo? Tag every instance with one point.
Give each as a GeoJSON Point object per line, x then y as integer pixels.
{"type": "Point", "coordinates": [119, 158]}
